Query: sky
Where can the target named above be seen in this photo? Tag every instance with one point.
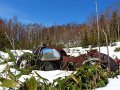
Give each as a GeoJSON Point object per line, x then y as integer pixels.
{"type": "Point", "coordinates": [50, 12]}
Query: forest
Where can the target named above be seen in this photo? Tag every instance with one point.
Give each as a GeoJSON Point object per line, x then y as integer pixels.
{"type": "Point", "coordinates": [15, 35]}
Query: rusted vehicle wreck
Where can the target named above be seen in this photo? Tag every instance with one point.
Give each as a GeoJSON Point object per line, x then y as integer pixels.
{"type": "Point", "coordinates": [51, 58]}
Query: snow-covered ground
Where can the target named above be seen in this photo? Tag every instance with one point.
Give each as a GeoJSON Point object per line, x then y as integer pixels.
{"type": "Point", "coordinates": [49, 75]}
{"type": "Point", "coordinates": [79, 50]}
{"type": "Point", "coordinates": [114, 83]}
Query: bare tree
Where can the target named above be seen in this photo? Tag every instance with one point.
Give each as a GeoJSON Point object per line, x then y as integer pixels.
{"type": "Point", "coordinates": [98, 30]}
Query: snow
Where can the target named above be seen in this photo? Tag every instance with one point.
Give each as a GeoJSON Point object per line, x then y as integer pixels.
{"type": "Point", "coordinates": [3, 54]}
{"type": "Point", "coordinates": [20, 52]}
{"type": "Point", "coordinates": [114, 83]}
{"type": "Point", "coordinates": [79, 50]}
{"type": "Point", "coordinates": [49, 75]}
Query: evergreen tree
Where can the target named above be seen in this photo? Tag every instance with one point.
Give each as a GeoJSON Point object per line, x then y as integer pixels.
{"type": "Point", "coordinates": [93, 35]}
{"type": "Point", "coordinates": [113, 27]}
{"type": "Point", "coordinates": [102, 27]}
{"type": "Point", "coordinates": [85, 41]}
{"type": "Point", "coordinates": [4, 42]}
{"type": "Point", "coordinates": [92, 39]}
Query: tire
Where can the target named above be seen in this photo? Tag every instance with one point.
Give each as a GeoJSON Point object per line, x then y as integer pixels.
{"type": "Point", "coordinates": [51, 65]}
